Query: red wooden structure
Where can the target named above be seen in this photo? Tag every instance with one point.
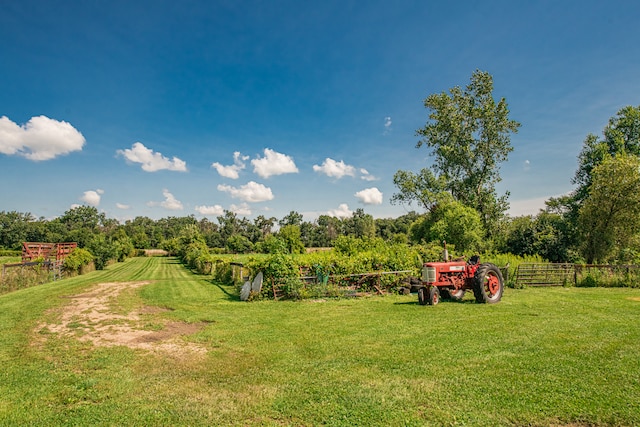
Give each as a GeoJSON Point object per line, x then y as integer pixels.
{"type": "Point", "coordinates": [46, 251]}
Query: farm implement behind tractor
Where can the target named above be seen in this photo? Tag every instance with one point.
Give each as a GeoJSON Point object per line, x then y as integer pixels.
{"type": "Point", "coordinates": [451, 279]}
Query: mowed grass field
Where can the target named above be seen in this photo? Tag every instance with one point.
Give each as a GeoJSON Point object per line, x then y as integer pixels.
{"type": "Point", "coordinates": [555, 356]}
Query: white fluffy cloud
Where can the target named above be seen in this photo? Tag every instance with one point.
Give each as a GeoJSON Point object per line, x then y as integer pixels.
{"type": "Point", "coordinates": [233, 170]}
{"type": "Point", "coordinates": [242, 209]}
{"type": "Point", "coordinates": [41, 138]}
{"type": "Point", "coordinates": [92, 197]}
{"type": "Point", "coordinates": [169, 202]}
{"type": "Point", "coordinates": [342, 211]}
{"type": "Point", "coordinates": [335, 169]}
{"type": "Point", "coordinates": [370, 196]}
{"type": "Point", "coordinates": [122, 206]}
{"type": "Point", "coordinates": [251, 192]}
{"type": "Point", "coordinates": [210, 210]}
{"type": "Point", "coordinates": [387, 125]}
{"type": "Point", "coordinates": [366, 176]}
{"type": "Point", "coordinates": [273, 163]}
{"type": "Point", "coordinates": [150, 161]}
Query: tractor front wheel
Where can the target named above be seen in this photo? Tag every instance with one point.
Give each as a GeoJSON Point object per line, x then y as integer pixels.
{"type": "Point", "coordinates": [434, 295]}
{"type": "Point", "coordinates": [488, 284]}
{"type": "Point", "coordinates": [422, 296]}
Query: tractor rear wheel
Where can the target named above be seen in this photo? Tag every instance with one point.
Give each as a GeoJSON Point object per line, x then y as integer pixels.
{"type": "Point", "coordinates": [488, 284]}
{"type": "Point", "coordinates": [434, 295]}
{"type": "Point", "coordinates": [422, 296]}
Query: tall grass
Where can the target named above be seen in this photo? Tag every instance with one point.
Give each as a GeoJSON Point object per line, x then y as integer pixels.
{"type": "Point", "coordinates": [561, 356]}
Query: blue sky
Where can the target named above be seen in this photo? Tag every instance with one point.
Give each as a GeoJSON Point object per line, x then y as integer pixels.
{"type": "Point", "coordinates": [166, 108]}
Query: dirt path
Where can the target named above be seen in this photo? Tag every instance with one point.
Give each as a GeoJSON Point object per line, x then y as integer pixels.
{"type": "Point", "coordinates": [95, 316]}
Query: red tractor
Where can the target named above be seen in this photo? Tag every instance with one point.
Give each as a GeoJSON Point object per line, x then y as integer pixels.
{"type": "Point", "coordinates": [451, 279]}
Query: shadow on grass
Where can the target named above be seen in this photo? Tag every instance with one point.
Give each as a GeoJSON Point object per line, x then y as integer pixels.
{"type": "Point", "coordinates": [415, 302]}
{"type": "Point", "coordinates": [230, 296]}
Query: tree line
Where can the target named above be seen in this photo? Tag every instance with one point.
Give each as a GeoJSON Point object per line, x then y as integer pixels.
{"type": "Point", "coordinates": [468, 132]}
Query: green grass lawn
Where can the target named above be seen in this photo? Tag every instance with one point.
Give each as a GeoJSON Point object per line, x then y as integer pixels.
{"type": "Point", "coordinates": [554, 356]}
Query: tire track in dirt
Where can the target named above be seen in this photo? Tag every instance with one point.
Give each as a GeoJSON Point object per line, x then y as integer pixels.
{"type": "Point", "coordinates": [93, 317]}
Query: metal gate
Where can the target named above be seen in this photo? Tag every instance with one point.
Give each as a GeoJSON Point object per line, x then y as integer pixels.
{"type": "Point", "coordinates": [545, 274]}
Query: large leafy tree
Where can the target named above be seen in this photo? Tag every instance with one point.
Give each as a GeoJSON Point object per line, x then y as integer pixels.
{"type": "Point", "coordinates": [453, 222]}
{"type": "Point", "coordinates": [14, 229]}
{"type": "Point", "coordinates": [360, 224]}
{"type": "Point", "coordinates": [82, 223]}
{"type": "Point", "coordinates": [621, 135]}
{"type": "Point", "coordinates": [546, 235]}
{"type": "Point", "coordinates": [469, 135]}
{"type": "Point", "coordinates": [609, 218]}
{"type": "Point", "coordinates": [292, 218]}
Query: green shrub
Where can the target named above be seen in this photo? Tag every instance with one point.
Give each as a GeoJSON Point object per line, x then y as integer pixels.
{"type": "Point", "coordinates": [77, 259]}
{"type": "Point", "coordinates": [588, 281]}
{"type": "Point", "coordinates": [239, 244]}
{"type": "Point", "coordinates": [222, 271]}
{"type": "Point", "coordinates": [197, 257]}
{"type": "Point", "coordinates": [346, 264]}
{"type": "Point", "coordinates": [9, 252]}
{"type": "Point", "coordinates": [609, 277]}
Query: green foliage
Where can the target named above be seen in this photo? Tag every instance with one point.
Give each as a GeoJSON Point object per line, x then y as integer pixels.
{"type": "Point", "coordinates": [609, 217]}
{"type": "Point", "coordinates": [103, 251]}
{"type": "Point", "coordinates": [10, 253]}
{"type": "Point", "coordinates": [123, 245]}
{"type": "Point", "coordinates": [188, 234]}
{"type": "Point", "coordinates": [452, 222]}
{"type": "Point", "coordinates": [276, 267]}
{"type": "Point", "coordinates": [13, 229]}
{"type": "Point", "coordinates": [77, 259]}
{"type": "Point", "coordinates": [197, 257]}
{"type": "Point", "coordinates": [222, 271]}
{"type": "Point", "coordinates": [292, 218]}
{"type": "Point", "coordinates": [239, 244]}
{"type": "Point", "coordinates": [271, 245]}
{"type": "Point", "coordinates": [620, 136]}
{"type": "Point", "coordinates": [17, 278]}
{"type": "Point", "coordinates": [423, 187]}
{"type": "Point", "coordinates": [290, 236]}
{"type": "Point", "coordinates": [351, 256]}
{"type": "Point", "coordinates": [469, 133]}
{"type": "Point", "coordinates": [172, 246]}
{"type": "Point", "coordinates": [548, 234]}
{"type": "Point", "coordinates": [588, 281]}
{"type": "Point", "coordinates": [608, 276]}
{"type": "Point", "coordinates": [359, 225]}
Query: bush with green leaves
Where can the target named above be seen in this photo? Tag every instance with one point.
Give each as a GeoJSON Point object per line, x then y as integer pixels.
{"type": "Point", "coordinates": [222, 271]}
{"type": "Point", "coordinates": [9, 252]}
{"type": "Point", "coordinates": [608, 276]}
{"type": "Point", "coordinates": [305, 275]}
{"type": "Point", "coordinates": [271, 245]}
{"type": "Point", "coordinates": [103, 251]}
{"type": "Point", "coordinates": [239, 244]}
{"type": "Point", "coordinates": [77, 259]}
{"type": "Point", "coordinates": [197, 257]}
